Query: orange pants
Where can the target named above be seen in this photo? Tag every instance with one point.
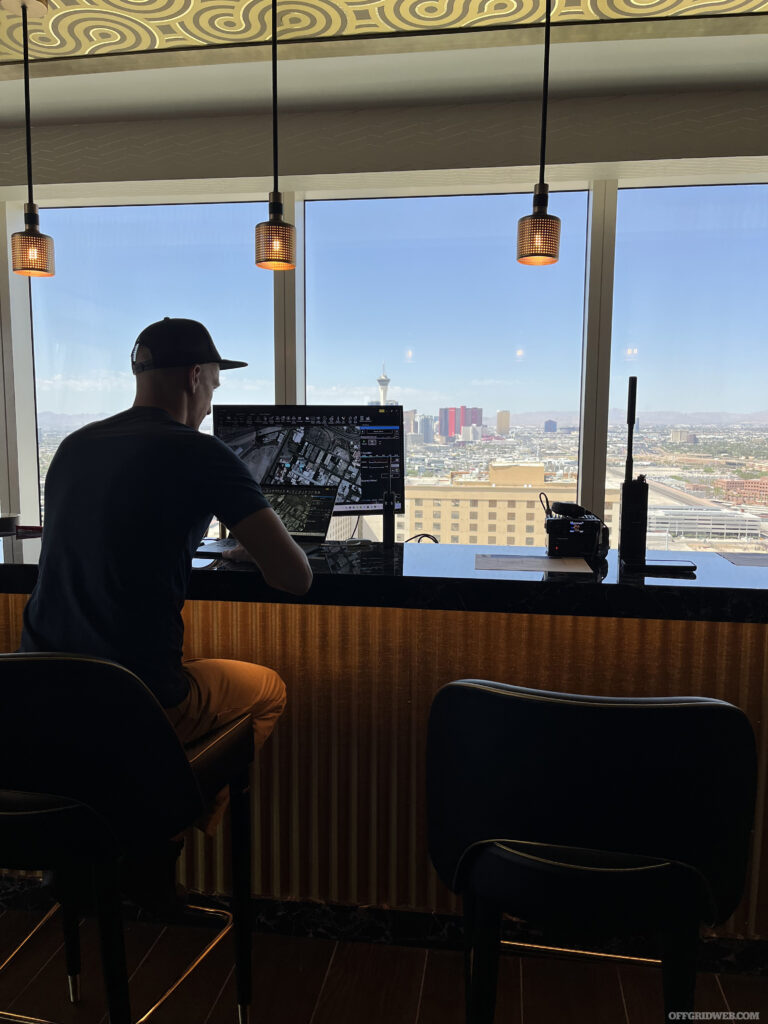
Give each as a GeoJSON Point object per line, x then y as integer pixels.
{"type": "Point", "coordinates": [219, 691]}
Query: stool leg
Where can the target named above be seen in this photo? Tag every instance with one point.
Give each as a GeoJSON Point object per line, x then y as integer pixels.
{"type": "Point", "coordinates": [240, 804]}
{"type": "Point", "coordinates": [71, 923]}
{"type": "Point", "coordinates": [112, 944]}
{"type": "Point", "coordinates": [482, 932]}
{"type": "Point", "coordinates": [678, 964]}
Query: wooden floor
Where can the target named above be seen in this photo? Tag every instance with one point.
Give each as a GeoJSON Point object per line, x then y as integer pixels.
{"type": "Point", "coordinates": [320, 981]}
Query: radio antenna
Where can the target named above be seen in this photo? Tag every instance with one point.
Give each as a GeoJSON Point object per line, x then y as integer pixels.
{"type": "Point", "coordinates": [631, 401]}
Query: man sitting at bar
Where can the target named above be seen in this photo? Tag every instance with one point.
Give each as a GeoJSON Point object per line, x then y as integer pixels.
{"type": "Point", "coordinates": [127, 501]}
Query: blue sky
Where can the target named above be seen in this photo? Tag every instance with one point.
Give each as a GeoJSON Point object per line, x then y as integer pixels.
{"type": "Point", "coordinates": [431, 288]}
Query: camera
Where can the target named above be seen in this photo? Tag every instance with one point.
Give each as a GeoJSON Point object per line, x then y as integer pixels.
{"type": "Point", "coordinates": [573, 530]}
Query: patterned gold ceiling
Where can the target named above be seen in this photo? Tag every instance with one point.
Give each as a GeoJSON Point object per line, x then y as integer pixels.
{"type": "Point", "coordinates": [101, 27]}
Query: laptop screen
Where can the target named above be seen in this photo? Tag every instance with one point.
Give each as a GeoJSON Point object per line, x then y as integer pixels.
{"type": "Point", "coordinates": [304, 511]}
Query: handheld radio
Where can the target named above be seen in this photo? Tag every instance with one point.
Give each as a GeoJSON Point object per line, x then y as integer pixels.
{"type": "Point", "coordinates": [633, 521]}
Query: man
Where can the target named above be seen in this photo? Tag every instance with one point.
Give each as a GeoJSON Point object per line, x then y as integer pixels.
{"type": "Point", "coordinates": [149, 471]}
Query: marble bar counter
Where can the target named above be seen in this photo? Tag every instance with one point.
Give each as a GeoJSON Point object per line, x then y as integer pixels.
{"type": "Point", "coordinates": [447, 577]}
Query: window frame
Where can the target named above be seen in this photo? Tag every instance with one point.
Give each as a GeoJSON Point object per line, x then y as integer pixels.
{"type": "Point", "coordinates": [19, 480]}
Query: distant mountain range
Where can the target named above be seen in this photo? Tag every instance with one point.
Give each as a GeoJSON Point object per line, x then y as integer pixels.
{"type": "Point", "coordinates": [665, 418]}
{"type": "Point", "coordinates": [616, 417]}
{"type": "Point", "coordinates": [67, 421]}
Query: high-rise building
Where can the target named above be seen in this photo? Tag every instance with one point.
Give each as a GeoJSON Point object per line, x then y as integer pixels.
{"type": "Point", "coordinates": [383, 381]}
{"type": "Point", "coordinates": [550, 426]}
{"type": "Point", "coordinates": [504, 509]}
{"type": "Point", "coordinates": [453, 419]}
{"type": "Point", "coordinates": [427, 429]}
{"type": "Point", "coordinates": [682, 436]}
{"type": "Point", "coordinates": [409, 421]}
{"type": "Point", "coordinates": [502, 422]}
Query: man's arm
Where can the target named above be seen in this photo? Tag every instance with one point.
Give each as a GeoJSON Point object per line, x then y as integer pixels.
{"type": "Point", "coordinates": [282, 562]}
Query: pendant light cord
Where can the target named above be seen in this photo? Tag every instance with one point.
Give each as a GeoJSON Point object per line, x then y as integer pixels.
{"type": "Point", "coordinates": [26, 101]}
{"type": "Point", "coordinates": [545, 87]}
{"type": "Point", "coordinates": [274, 93]}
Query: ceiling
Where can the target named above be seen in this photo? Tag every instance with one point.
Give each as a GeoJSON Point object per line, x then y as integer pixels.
{"type": "Point", "coordinates": [609, 58]}
{"type": "Point", "coordinates": [77, 28]}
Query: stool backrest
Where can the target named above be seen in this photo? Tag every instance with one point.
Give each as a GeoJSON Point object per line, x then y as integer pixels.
{"type": "Point", "coordinates": [669, 777]}
{"type": "Point", "coordinates": [89, 729]}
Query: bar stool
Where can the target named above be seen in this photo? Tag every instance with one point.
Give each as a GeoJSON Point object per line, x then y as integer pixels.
{"type": "Point", "coordinates": [589, 816]}
{"type": "Point", "coordinates": [90, 770]}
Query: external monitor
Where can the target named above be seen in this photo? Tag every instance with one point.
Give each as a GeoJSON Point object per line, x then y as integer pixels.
{"type": "Point", "coordinates": [358, 448]}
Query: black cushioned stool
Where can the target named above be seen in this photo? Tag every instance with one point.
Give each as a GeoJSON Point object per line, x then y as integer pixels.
{"type": "Point", "coordinates": [588, 816]}
{"type": "Point", "coordinates": [91, 769]}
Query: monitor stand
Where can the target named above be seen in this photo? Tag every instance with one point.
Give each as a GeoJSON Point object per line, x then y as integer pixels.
{"type": "Point", "coordinates": [388, 520]}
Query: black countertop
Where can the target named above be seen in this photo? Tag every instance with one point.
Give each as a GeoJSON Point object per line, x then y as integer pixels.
{"type": "Point", "coordinates": [444, 576]}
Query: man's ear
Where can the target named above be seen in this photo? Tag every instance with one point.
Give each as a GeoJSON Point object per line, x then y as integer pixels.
{"type": "Point", "coordinates": [193, 377]}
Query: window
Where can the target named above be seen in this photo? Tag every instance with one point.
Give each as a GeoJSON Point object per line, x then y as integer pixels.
{"type": "Point", "coordinates": [436, 503]}
{"type": "Point", "coordinates": [418, 501]}
{"type": "Point", "coordinates": [454, 538]}
{"type": "Point", "coordinates": [491, 540]}
{"type": "Point", "coordinates": [492, 515]}
{"type": "Point", "coordinates": [491, 527]}
{"type": "Point", "coordinates": [473, 515]}
{"type": "Point", "coordinates": [491, 504]}
{"type": "Point", "coordinates": [435, 526]}
{"type": "Point", "coordinates": [473, 527]}
{"type": "Point", "coordinates": [415, 249]}
{"type": "Point", "coordinates": [127, 267]}
{"type": "Point", "coordinates": [436, 515]}
{"type": "Point", "coordinates": [529, 529]}
{"type": "Point", "coordinates": [511, 515]}
{"type": "Point", "coordinates": [530, 504]}
{"type": "Point", "coordinates": [529, 540]}
{"type": "Point", "coordinates": [454, 515]}
{"type": "Point", "coordinates": [698, 350]}
{"type": "Point", "coordinates": [529, 516]}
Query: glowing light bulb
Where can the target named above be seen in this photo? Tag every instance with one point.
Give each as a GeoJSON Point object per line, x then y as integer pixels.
{"type": "Point", "coordinates": [275, 244]}
{"type": "Point", "coordinates": [32, 253]}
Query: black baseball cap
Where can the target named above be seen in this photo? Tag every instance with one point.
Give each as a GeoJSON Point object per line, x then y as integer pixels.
{"type": "Point", "coordinates": [175, 341]}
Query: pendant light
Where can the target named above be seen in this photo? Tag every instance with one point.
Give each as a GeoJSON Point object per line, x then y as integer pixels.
{"type": "Point", "coordinates": [275, 238]}
{"type": "Point", "coordinates": [538, 234]}
{"type": "Point", "coordinates": [31, 252]}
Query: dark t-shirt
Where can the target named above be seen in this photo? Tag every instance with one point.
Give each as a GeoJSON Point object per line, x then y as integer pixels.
{"type": "Point", "coordinates": [127, 500]}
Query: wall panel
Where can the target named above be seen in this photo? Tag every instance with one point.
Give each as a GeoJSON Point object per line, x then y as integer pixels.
{"type": "Point", "coordinates": [339, 789]}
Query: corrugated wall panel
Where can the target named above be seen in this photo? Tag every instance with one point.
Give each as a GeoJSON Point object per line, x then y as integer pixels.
{"type": "Point", "coordinates": [339, 805]}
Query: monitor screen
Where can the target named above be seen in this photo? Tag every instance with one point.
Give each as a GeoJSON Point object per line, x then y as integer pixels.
{"type": "Point", "coordinates": [304, 511]}
{"type": "Point", "coordinates": [357, 448]}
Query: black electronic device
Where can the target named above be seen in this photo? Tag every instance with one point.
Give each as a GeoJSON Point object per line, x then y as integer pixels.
{"type": "Point", "coordinates": [358, 449]}
{"type": "Point", "coordinates": [573, 531]}
{"type": "Point", "coordinates": [633, 517]}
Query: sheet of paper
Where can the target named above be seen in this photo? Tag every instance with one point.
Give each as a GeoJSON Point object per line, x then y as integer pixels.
{"type": "Point", "coordinates": [530, 563]}
{"type": "Point", "coordinates": [755, 558]}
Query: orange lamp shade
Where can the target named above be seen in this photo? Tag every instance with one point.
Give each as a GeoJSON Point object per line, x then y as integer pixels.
{"type": "Point", "coordinates": [275, 245]}
{"type": "Point", "coordinates": [32, 254]}
{"type": "Point", "coordinates": [538, 239]}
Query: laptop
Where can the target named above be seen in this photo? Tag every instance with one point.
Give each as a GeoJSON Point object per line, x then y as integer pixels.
{"type": "Point", "coordinates": [305, 512]}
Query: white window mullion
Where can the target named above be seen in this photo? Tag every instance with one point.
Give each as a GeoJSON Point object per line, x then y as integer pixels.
{"type": "Point", "coordinates": [596, 359]}
{"type": "Point", "coordinates": [290, 344]}
{"type": "Point", "coordinates": [19, 478]}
